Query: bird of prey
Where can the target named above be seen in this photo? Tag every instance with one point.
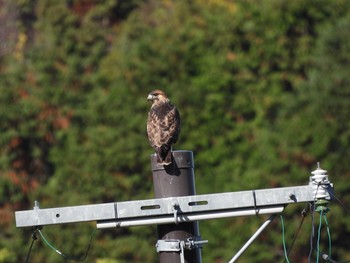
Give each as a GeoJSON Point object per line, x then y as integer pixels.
{"type": "Point", "coordinates": [163, 126]}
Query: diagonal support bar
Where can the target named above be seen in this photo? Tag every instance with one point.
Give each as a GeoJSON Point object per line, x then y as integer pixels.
{"type": "Point", "coordinates": [251, 240]}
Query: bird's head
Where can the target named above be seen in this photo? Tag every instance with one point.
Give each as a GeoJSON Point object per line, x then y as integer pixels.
{"type": "Point", "coordinates": [157, 96]}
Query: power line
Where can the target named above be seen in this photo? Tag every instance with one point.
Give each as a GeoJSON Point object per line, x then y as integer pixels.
{"type": "Point", "coordinates": [304, 214]}
{"type": "Point", "coordinates": [340, 202]}
{"type": "Point", "coordinates": [329, 236]}
{"type": "Point", "coordinates": [284, 241]}
{"type": "Point", "coordinates": [319, 237]}
{"type": "Point", "coordinates": [64, 255]}
{"type": "Point", "coordinates": [34, 237]}
{"type": "Point", "coordinates": [312, 231]}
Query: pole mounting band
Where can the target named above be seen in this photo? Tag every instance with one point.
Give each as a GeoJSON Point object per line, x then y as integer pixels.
{"type": "Point", "coordinates": [168, 245]}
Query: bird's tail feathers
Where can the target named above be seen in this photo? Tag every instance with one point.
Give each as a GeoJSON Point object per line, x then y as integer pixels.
{"type": "Point", "coordinates": [164, 156]}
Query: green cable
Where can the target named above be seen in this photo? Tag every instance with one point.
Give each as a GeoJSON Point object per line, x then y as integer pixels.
{"type": "Point", "coordinates": [64, 255]}
{"type": "Point", "coordinates": [318, 238]}
{"type": "Point", "coordinates": [49, 245]}
{"type": "Point", "coordinates": [283, 240]}
{"type": "Point", "coordinates": [329, 238]}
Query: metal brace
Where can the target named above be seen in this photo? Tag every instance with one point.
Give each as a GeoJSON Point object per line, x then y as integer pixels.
{"type": "Point", "coordinates": [175, 245]}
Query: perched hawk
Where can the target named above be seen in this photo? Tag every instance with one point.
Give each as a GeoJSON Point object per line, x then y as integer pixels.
{"type": "Point", "coordinates": [163, 126]}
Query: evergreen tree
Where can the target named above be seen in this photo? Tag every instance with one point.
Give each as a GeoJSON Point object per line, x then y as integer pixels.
{"type": "Point", "coordinates": [261, 88]}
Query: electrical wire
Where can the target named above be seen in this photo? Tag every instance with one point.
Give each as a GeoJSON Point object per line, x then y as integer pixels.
{"type": "Point", "coordinates": [329, 237]}
{"type": "Point", "coordinates": [347, 210]}
{"type": "Point", "coordinates": [283, 240]}
{"type": "Point", "coordinates": [30, 249]}
{"type": "Point", "coordinates": [319, 237]}
{"type": "Point", "coordinates": [312, 208]}
{"type": "Point", "coordinates": [340, 202]}
{"type": "Point", "coordinates": [323, 215]}
{"type": "Point", "coordinates": [64, 255]}
{"type": "Point", "coordinates": [34, 237]}
{"type": "Point", "coordinates": [328, 257]}
{"type": "Point", "coordinates": [304, 214]}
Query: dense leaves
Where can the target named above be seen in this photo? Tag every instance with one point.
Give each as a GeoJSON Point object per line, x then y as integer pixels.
{"type": "Point", "coordinates": [262, 88]}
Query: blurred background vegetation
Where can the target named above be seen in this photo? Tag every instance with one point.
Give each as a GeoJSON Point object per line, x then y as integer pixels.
{"type": "Point", "coordinates": [263, 88]}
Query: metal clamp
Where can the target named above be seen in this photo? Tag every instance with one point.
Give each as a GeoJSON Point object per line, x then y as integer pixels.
{"type": "Point", "coordinates": [168, 245]}
{"type": "Point", "coordinates": [175, 245]}
{"type": "Point", "coordinates": [171, 245]}
{"type": "Point", "coordinates": [195, 242]}
{"type": "Point", "coordinates": [175, 208]}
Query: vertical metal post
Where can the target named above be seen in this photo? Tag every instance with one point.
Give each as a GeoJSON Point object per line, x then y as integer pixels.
{"type": "Point", "coordinates": [176, 179]}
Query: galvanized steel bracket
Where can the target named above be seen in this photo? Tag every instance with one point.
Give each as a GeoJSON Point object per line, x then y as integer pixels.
{"type": "Point", "coordinates": [175, 245]}
{"type": "Point", "coordinates": [168, 245]}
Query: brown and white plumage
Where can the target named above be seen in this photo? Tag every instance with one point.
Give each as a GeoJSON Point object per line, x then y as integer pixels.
{"type": "Point", "coordinates": [163, 126]}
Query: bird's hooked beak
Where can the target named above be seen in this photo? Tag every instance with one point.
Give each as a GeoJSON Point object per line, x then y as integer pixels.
{"type": "Point", "coordinates": [150, 97]}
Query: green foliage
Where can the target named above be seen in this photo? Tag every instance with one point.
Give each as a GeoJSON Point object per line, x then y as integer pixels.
{"type": "Point", "coordinates": [262, 89]}
{"type": "Point", "coordinates": [321, 132]}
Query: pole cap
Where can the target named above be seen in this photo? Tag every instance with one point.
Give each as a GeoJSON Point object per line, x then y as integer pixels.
{"type": "Point", "coordinates": [181, 158]}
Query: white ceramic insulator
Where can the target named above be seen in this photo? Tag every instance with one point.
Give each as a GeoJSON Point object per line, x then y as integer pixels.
{"type": "Point", "coordinates": [318, 179]}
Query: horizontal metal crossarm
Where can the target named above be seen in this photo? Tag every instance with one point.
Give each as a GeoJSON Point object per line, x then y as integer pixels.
{"type": "Point", "coordinates": [163, 210]}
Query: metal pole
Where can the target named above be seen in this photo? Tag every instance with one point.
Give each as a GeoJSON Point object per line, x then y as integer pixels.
{"type": "Point", "coordinates": [251, 240]}
{"type": "Point", "coordinates": [176, 179]}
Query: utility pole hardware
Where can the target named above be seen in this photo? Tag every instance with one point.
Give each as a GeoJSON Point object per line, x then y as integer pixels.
{"type": "Point", "coordinates": [176, 209]}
